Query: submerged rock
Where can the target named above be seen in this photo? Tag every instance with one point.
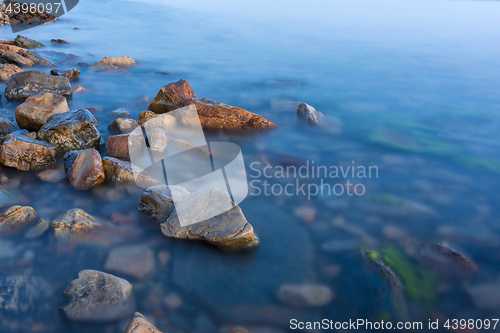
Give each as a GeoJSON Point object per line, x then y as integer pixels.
{"type": "Point", "coordinates": [122, 61]}
{"type": "Point", "coordinates": [16, 218]}
{"type": "Point", "coordinates": [72, 130]}
{"type": "Point", "coordinates": [120, 113]}
{"type": "Point", "coordinates": [486, 296]}
{"type": "Point", "coordinates": [37, 59]}
{"type": "Point", "coordinates": [139, 324]}
{"type": "Point", "coordinates": [23, 153]}
{"type": "Point", "coordinates": [212, 115]}
{"type": "Point", "coordinates": [123, 125]}
{"type": "Point", "coordinates": [229, 230]}
{"type": "Point", "coordinates": [137, 261]}
{"type": "Point", "coordinates": [51, 175]}
{"type": "Point", "coordinates": [97, 297]}
{"type": "Point", "coordinates": [100, 67]}
{"type": "Point", "coordinates": [84, 168]}
{"type": "Point", "coordinates": [41, 227]}
{"type": "Point", "coordinates": [37, 109]}
{"type": "Point", "coordinates": [17, 59]}
{"type": "Point", "coordinates": [157, 201]}
{"type": "Point", "coordinates": [309, 113]}
{"type": "Point", "coordinates": [305, 295]}
{"type": "Point", "coordinates": [7, 70]}
{"type": "Point", "coordinates": [26, 42]}
{"type": "Point", "coordinates": [118, 171]}
{"type": "Point", "coordinates": [71, 74]}
{"type": "Point", "coordinates": [74, 222]}
{"type": "Point", "coordinates": [29, 83]}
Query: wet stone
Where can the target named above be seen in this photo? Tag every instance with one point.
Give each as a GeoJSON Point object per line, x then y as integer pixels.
{"type": "Point", "coordinates": [123, 125]}
{"type": "Point", "coordinates": [120, 113]}
{"type": "Point", "coordinates": [51, 175]}
{"type": "Point", "coordinates": [37, 109]}
{"type": "Point", "coordinates": [16, 218]}
{"type": "Point", "coordinates": [122, 172]}
{"type": "Point", "coordinates": [17, 59]}
{"type": "Point", "coordinates": [72, 130]}
{"type": "Point", "coordinates": [229, 230]}
{"type": "Point", "coordinates": [139, 324]}
{"type": "Point", "coordinates": [7, 70]}
{"type": "Point", "coordinates": [97, 297]}
{"type": "Point", "coordinates": [309, 113]}
{"type": "Point", "coordinates": [75, 222]}
{"type": "Point", "coordinates": [26, 42]}
{"type": "Point", "coordinates": [71, 74]}
{"type": "Point", "coordinates": [24, 153]}
{"type": "Point", "coordinates": [84, 168]}
{"type": "Point", "coordinates": [30, 83]}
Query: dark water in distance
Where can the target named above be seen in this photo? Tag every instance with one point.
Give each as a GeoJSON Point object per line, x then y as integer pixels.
{"type": "Point", "coordinates": [415, 88]}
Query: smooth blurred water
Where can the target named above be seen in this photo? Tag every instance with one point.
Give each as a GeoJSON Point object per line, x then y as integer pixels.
{"type": "Point", "coordinates": [415, 85]}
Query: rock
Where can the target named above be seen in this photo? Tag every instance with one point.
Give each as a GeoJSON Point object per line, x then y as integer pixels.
{"type": "Point", "coordinates": [172, 96]}
{"type": "Point", "coordinates": [157, 140]}
{"type": "Point", "coordinates": [26, 42]}
{"type": "Point", "coordinates": [117, 146]}
{"type": "Point", "coordinates": [122, 61]}
{"type": "Point", "coordinates": [29, 83]}
{"type": "Point", "coordinates": [137, 261]}
{"type": "Point", "coordinates": [37, 109]}
{"type": "Point", "coordinates": [72, 130]}
{"type": "Point", "coordinates": [309, 113]}
{"type": "Point", "coordinates": [172, 301]}
{"type": "Point", "coordinates": [486, 296]}
{"type": "Point", "coordinates": [229, 230]}
{"type": "Point", "coordinates": [100, 67]}
{"type": "Point", "coordinates": [37, 59]}
{"type": "Point", "coordinates": [51, 175]}
{"type": "Point", "coordinates": [17, 59]}
{"type": "Point", "coordinates": [8, 124]}
{"type": "Point", "coordinates": [144, 116]}
{"type": "Point", "coordinates": [15, 218]}
{"type": "Point", "coordinates": [6, 48]}
{"type": "Point", "coordinates": [7, 70]}
{"type": "Point", "coordinates": [97, 297]}
{"type": "Point", "coordinates": [118, 171]}
{"type": "Point", "coordinates": [212, 115]}
{"type": "Point", "coordinates": [78, 89]}
{"type": "Point", "coordinates": [84, 168]}
{"type": "Point", "coordinates": [120, 113]}
{"type": "Point", "coordinates": [123, 125]}
{"type": "Point", "coordinates": [38, 230]}
{"type": "Point", "coordinates": [75, 222]}
{"type": "Point", "coordinates": [157, 201]}
{"type": "Point", "coordinates": [446, 261]}
{"type": "Point", "coordinates": [23, 153]}
{"type": "Point", "coordinates": [139, 324]}
{"type": "Point", "coordinates": [59, 41]}
{"type": "Point", "coordinates": [145, 100]}
{"type": "Point", "coordinates": [71, 74]}
{"type": "Point", "coordinates": [305, 295]}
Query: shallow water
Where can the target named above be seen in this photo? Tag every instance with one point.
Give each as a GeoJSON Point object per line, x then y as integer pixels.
{"type": "Point", "coordinates": [411, 88]}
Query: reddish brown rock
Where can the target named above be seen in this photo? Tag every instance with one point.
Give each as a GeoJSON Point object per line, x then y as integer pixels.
{"type": "Point", "coordinates": [24, 153]}
{"type": "Point", "coordinates": [139, 324]}
{"type": "Point", "coordinates": [36, 110]}
{"type": "Point", "coordinates": [172, 96]}
{"type": "Point", "coordinates": [213, 115]}
{"type": "Point", "coordinates": [84, 168]}
{"type": "Point", "coordinates": [117, 146]}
